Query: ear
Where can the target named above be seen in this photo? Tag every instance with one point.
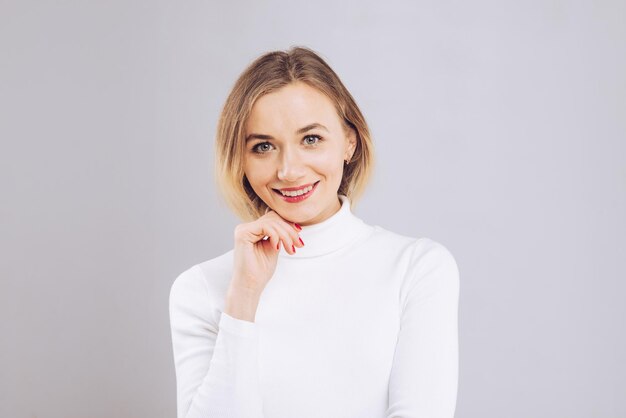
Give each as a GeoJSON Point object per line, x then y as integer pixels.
{"type": "Point", "coordinates": [351, 138]}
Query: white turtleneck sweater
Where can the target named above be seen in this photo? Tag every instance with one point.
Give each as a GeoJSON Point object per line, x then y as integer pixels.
{"type": "Point", "coordinates": [360, 323]}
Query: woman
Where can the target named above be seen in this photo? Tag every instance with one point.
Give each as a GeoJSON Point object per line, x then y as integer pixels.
{"type": "Point", "coordinates": [314, 313]}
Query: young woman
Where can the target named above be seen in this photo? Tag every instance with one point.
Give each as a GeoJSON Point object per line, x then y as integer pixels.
{"type": "Point", "coordinates": [313, 313]}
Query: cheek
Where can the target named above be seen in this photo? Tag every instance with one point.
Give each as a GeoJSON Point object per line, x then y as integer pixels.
{"type": "Point", "coordinates": [327, 161]}
{"type": "Point", "coordinates": [331, 170]}
{"type": "Point", "coordinates": [259, 173]}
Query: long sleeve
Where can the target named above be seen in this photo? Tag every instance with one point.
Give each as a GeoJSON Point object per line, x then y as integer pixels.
{"type": "Point", "coordinates": [217, 370]}
{"type": "Point", "coordinates": [424, 377]}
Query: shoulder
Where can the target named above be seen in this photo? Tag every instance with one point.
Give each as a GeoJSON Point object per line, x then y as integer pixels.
{"type": "Point", "coordinates": [425, 266]}
{"type": "Point", "coordinates": [431, 269]}
{"type": "Point", "coordinates": [412, 250]}
{"type": "Point", "coordinates": [387, 243]}
{"type": "Point", "coordinates": [415, 255]}
{"type": "Point", "coordinates": [427, 252]}
{"type": "Point", "coordinates": [422, 250]}
{"type": "Point", "coordinates": [203, 284]}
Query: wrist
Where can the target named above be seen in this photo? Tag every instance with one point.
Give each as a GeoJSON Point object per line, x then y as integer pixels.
{"type": "Point", "coordinates": [242, 303]}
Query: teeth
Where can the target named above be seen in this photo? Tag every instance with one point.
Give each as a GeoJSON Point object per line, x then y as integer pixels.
{"type": "Point", "coordinates": [297, 192]}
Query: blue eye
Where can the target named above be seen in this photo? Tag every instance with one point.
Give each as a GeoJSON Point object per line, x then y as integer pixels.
{"type": "Point", "coordinates": [264, 147]}
{"type": "Point", "coordinates": [312, 136]}
{"type": "Point", "coordinates": [257, 148]}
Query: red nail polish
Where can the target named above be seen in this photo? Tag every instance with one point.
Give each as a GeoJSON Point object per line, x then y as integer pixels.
{"type": "Point", "coordinates": [293, 248]}
{"type": "Point", "coordinates": [278, 246]}
{"type": "Point", "coordinates": [297, 226]}
{"type": "Point", "coordinates": [301, 240]}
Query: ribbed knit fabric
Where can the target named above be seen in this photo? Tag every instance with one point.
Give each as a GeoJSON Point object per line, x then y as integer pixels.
{"type": "Point", "coordinates": [360, 323]}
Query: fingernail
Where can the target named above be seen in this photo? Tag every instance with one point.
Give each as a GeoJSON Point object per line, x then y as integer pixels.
{"type": "Point", "coordinates": [293, 248]}
{"type": "Point", "coordinates": [278, 246]}
{"type": "Point", "coordinates": [297, 226]}
{"type": "Point", "coordinates": [301, 240]}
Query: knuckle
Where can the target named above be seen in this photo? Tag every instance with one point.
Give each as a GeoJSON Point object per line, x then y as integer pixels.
{"type": "Point", "coordinates": [240, 229]}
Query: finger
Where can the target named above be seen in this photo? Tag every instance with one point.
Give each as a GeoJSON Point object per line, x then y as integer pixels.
{"type": "Point", "coordinates": [285, 235]}
{"type": "Point", "coordinates": [296, 226]}
{"type": "Point", "coordinates": [293, 225]}
{"type": "Point", "coordinates": [286, 228]}
{"type": "Point", "coordinates": [272, 236]}
{"type": "Point", "coordinates": [268, 245]}
{"type": "Point", "coordinates": [294, 230]}
{"type": "Point", "coordinates": [293, 239]}
{"type": "Point", "coordinates": [254, 232]}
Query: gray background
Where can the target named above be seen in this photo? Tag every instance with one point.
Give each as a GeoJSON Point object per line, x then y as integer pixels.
{"type": "Point", "coordinates": [499, 130]}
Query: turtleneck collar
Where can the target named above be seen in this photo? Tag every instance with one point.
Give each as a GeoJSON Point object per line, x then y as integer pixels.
{"type": "Point", "coordinates": [328, 236]}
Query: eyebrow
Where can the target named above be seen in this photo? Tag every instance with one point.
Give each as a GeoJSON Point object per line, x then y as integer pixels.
{"type": "Point", "coordinates": [299, 131]}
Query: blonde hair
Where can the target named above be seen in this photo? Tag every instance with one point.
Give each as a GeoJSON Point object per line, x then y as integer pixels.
{"type": "Point", "coordinates": [266, 74]}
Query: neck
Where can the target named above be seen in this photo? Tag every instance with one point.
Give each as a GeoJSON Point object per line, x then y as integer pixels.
{"type": "Point", "coordinates": [333, 210]}
{"type": "Point", "coordinates": [337, 231]}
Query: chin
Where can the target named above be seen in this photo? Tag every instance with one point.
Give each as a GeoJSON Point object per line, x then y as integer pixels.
{"type": "Point", "coordinates": [299, 215]}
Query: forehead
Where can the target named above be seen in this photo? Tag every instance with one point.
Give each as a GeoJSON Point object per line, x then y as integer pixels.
{"type": "Point", "coordinates": [292, 107]}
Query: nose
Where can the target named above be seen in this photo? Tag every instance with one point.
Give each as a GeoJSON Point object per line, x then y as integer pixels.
{"type": "Point", "coordinates": [291, 167]}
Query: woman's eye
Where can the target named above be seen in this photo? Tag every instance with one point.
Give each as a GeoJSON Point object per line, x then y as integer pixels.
{"type": "Point", "coordinates": [262, 147]}
{"type": "Point", "coordinates": [307, 138]}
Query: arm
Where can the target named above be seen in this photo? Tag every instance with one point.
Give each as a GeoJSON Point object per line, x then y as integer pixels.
{"type": "Point", "coordinates": [424, 377]}
{"type": "Point", "coordinates": [216, 363]}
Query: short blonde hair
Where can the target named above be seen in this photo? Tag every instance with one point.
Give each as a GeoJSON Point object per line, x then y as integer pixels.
{"type": "Point", "coordinates": [266, 74]}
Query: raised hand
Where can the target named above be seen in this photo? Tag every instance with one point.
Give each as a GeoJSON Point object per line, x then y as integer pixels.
{"type": "Point", "coordinates": [256, 249]}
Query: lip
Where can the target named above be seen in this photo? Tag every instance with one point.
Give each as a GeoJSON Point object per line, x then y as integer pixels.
{"type": "Point", "coordinates": [293, 189]}
{"type": "Point", "coordinates": [296, 199]}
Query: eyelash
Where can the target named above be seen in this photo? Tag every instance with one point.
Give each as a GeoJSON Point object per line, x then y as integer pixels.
{"type": "Point", "coordinates": [255, 148]}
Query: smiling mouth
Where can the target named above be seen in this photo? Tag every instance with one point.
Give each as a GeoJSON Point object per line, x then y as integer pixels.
{"type": "Point", "coordinates": [296, 193]}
